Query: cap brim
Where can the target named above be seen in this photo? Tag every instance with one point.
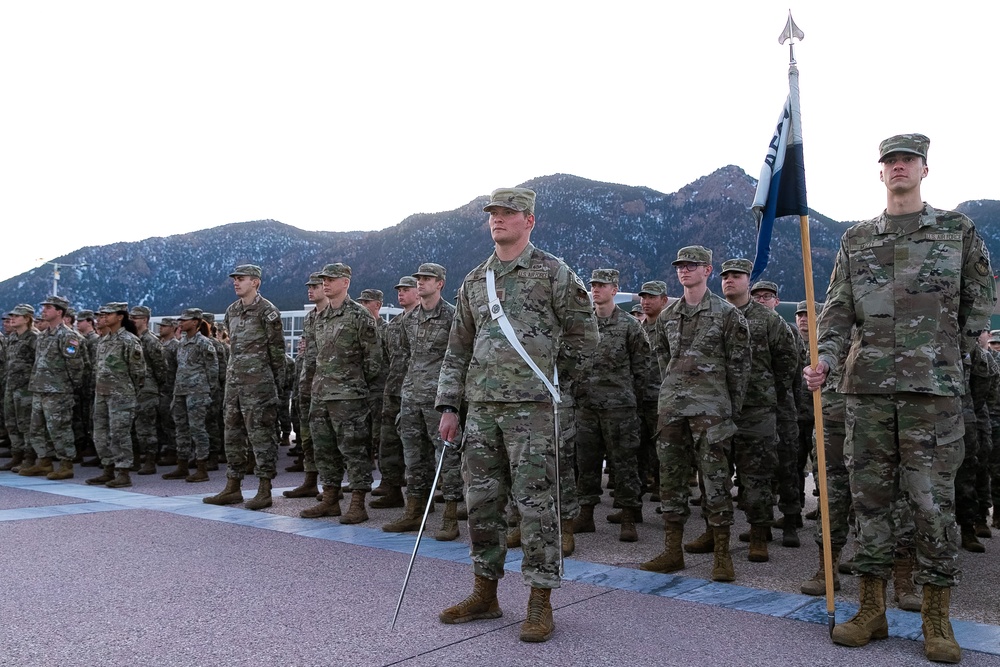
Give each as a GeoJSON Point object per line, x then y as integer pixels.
{"type": "Point", "coordinates": [900, 150]}
{"type": "Point", "coordinates": [486, 209]}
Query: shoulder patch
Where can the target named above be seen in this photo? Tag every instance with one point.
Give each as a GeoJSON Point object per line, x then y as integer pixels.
{"type": "Point", "coordinates": [273, 315]}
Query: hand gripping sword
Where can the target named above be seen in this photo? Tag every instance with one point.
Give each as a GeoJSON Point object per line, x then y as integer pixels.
{"type": "Point", "coordinates": [420, 533]}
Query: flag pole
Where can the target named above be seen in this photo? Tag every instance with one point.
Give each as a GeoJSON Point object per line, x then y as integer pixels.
{"type": "Point", "coordinates": [790, 34]}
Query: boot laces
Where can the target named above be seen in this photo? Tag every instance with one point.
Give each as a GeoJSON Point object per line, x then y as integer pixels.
{"type": "Point", "coordinates": [936, 621]}
{"type": "Point", "coordinates": [536, 609]}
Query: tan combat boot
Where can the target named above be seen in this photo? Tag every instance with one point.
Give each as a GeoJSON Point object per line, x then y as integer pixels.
{"type": "Point", "coordinates": [106, 476]}
{"type": "Point", "coordinates": [449, 522]}
{"type": "Point", "coordinates": [584, 522]}
{"type": "Point", "coordinates": [514, 537]}
{"type": "Point", "coordinates": [481, 604]}
{"type": "Point", "coordinates": [180, 472]}
{"type": "Point", "coordinates": [412, 515]}
{"type": "Point", "coordinates": [231, 495]}
{"type": "Point", "coordinates": [538, 626]}
{"type": "Point", "coordinates": [758, 544]}
{"type": "Point", "coordinates": [30, 457]}
{"type": "Point", "coordinates": [722, 563]}
{"type": "Point", "coordinates": [616, 517]}
{"type": "Point", "coordinates": [568, 541]}
{"type": "Point", "coordinates": [263, 497]}
{"type": "Point", "coordinates": [356, 513]}
{"type": "Point", "coordinates": [201, 472]}
{"type": "Point", "coordinates": [970, 542]}
{"type": "Point", "coordinates": [870, 621]}
{"type": "Point", "coordinates": [817, 585]}
{"type": "Point", "coordinates": [121, 480]}
{"type": "Point", "coordinates": [391, 496]}
{"type": "Point", "coordinates": [704, 543]}
{"type": "Point", "coordinates": [42, 466]}
{"type": "Point", "coordinates": [65, 470]}
{"type": "Point", "coordinates": [148, 464]}
{"type": "Point", "coordinates": [902, 584]}
{"type": "Point", "coordinates": [16, 459]}
{"type": "Point", "coordinates": [672, 558]}
{"type": "Point", "coordinates": [628, 532]}
{"type": "Point", "coordinates": [307, 489]}
{"type": "Point", "coordinates": [939, 638]}
{"type": "Point", "coordinates": [329, 505]}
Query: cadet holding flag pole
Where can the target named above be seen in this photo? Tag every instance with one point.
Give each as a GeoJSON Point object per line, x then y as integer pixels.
{"type": "Point", "coordinates": [510, 431]}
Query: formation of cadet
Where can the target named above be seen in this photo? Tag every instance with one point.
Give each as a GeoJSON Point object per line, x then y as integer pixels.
{"type": "Point", "coordinates": [527, 387]}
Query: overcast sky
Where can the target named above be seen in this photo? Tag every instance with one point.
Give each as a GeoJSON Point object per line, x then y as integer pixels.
{"type": "Point", "coordinates": [125, 120]}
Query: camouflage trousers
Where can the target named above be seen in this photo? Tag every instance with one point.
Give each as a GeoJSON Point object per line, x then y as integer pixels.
{"type": "Point", "coordinates": [51, 432]}
{"type": "Point", "coordinates": [190, 412]}
{"type": "Point", "coordinates": [390, 446]}
{"type": "Point", "coordinates": [647, 458]}
{"type": "Point", "coordinates": [17, 411]}
{"type": "Point", "coordinates": [147, 412]}
{"type": "Point", "coordinates": [305, 435]}
{"type": "Point", "coordinates": [374, 422]}
{"type": "Point", "coordinates": [838, 484]}
{"type": "Point", "coordinates": [249, 420]}
{"type": "Point", "coordinates": [755, 454]}
{"type": "Point", "coordinates": [510, 448]}
{"type": "Point", "coordinates": [422, 448]}
{"type": "Point", "coordinates": [613, 434]}
{"type": "Point", "coordinates": [341, 438]}
{"type": "Point", "coordinates": [807, 446]}
{"type": "Point", "coordinates": [994, 469]}
{"type": "Point", "coordinates": [701, 442]}
{"type": "Point", "coordinates": [569, 502]}
{"type": "Point", "coordinates": [166, 431]}
{"type": "Point", "coordinates": [113, 417]}
{"type": "Point", "coordinates": [216, 421]}
{"type": "Point", "coordinates": [789, 473]}
{"type": "Point", "coordinates": [284, 422]}
{"type": "Point", "coordinates": [82, 424]}
{"type": "Point", "coordinates": [983, 485]}
{"type": "Point", "coordinates": [906, 446]}
{"type": "Point", "coordinates": [966, 500]}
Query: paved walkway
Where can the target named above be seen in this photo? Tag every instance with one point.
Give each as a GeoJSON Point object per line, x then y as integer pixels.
{"type": "Point", "coordinates": [98, 576]}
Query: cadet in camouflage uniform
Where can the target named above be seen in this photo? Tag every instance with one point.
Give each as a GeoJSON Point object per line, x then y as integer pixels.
{"type": "Point", "coordinates": [608, 418]}
{"type": "Point", "coordinates": [255, 371]}
{"type": "Point", "coordinates": [60, 365]}
{"type": "Point", "coordinates": [909, 294]}
{"type": "Point", "coordinates": [423, 343]}
{"type": "Point", "coordinates": [348, 363]}
{"type": "Point", "coordinates": [509, 437]}
{"type": "Point", "coordinates": [987, 488]}
{"type": "Point", "coordinates": [215, 417]}
{"type": "Point", "coordinates": [371, 299]}
{"type": "Point", "coordinates": [86, 326]}
{"type": "Point", "coordinates": [304, 380]}
{"type": "Point", "coordinates": [148, 401]}
{"type": "Point", "coordinates": [119, 375]}
{"type": "Point", "coordinates": [284, 423]}
{"type": "Point", "coordinates": [197, 374]}
{"type": "Point", "coordinates": [703, 345]}
{"type": "Point", "coordinates": [390, 451]}
{"type": "Point", "coordinates": [980, 370]}
{"type": "Point", "coordinates": [21, 343]}
{"type": "Point", "coordinates": [652, 300]}
{"type": "Point", "coordinates": [166, 433]}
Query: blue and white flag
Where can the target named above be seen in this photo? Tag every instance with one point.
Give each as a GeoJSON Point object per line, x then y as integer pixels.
{"type": "Point", "coordinates": [781, 190]}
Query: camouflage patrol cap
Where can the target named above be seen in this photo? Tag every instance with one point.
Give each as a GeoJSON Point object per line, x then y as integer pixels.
{"type": "Point", "coordinates": [995, 332]}
{"type": "Point", "coordinates": [637, 308]}
{"type": "Point", "coordinates": [23, 309]}
{"type": "Point", "coordinates": [763, 285]}
{"type": "Point", "coordinates": [85, 315]}
{"type": "Point", "coordinates": [431, 270]}
{"type": "Point", "coordinates": [994, 338]}
{"type": "Point", "coordinates": [168, 322]}
{"type": "Point", "coordinates": [406, 281]}
{"type": "Point", "coordinates": [803, 307]}
{"type": "Point", "coordinates": [917, 144]}
{"type": "Point", "coordinates": [653, 288]}
{"type": "Point", "coordinates": [70, 312]}
{"type": "Point", "coordinates": [140, 311]}
{"type": "Point", "coordinates": [335, 270]}
{"type": "Point", "coordinates": [516, 199]}
{"type": "Point", "coordinates": [604, 276]}
{"type": "Point", "coordinates": [738, 265]}
{"type": "Point", "coordinates": [694, 253]}
{"type": "Point", "coordinates": [112, 307]}
{"type": "Point", "coordinates": [314, 279]}
{"type": "Point", "coordinates": [193, 314]}
{"type": "Point", "coordinates": [251, 270]}
{"type": "Point", "coordinates": [208, 317]}
{"type": "Point", "coordinates": [58, 302]}
{"type": "Point", "coordinates": [371, 295]}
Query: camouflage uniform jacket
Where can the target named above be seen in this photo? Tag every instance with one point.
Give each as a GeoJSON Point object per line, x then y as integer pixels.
{"type": "Point", "coordinates": [916, 300]}
{"type": "Point", "coordinates": [378, 386]}
{"type": "Point", "coordinates": [308, 367]}
{"type": "Point", "coordinates": [393, 336]}
{"type": "Point", "coordinates": [774, 359]}
{"type": "Point", "coordinates": [704, 356]}
{"type": "Point", "coordinates": [550, 310]}
{"type": "Point", "coordinates": [156, 366]}
{"type": "Point", "coordinates": [994, 397]}
{"type": "Point", "coordinates": [424, 341]}
{"type": "Point", "coordinates": [222, 356]}
{"type": "Point", "coordinates": [654, 380]}
{"type": "Point", "coordinates": [348, 353]}
{"type": "Point", "coordinates": [60, 362]}
{"type": "Point", "coordinates": [621, 364]}
{"type": "Point", "coordinates": [170, 360]}
{"type": "Point", "coordinates": [803, 397]}
{"type": "Point", "coordinates": [984, 369]}
{"type": "Point", "coordinates": [20, 358]}
{"type": "Point", "coordinates": [121, 368]}
{"type": "Point", "coordinates": [197, 366]}
{"type": "Point", "coordinates": [256, 347]}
